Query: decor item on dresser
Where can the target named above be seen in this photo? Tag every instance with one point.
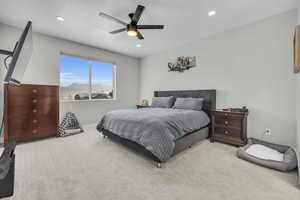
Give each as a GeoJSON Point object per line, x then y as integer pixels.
{"type": "Point", "coordinates": [229, 126]}
{"type": "Point", "coordinates": [69, 125]}
{"type": "Point", "coordinates": [143, 104]}
{"type": "Point", "coordinates": [182, 64]}
{"type": "Point", "coordinates": [297, 50]}
{"type": "Point", "coordinates": [31, 112]}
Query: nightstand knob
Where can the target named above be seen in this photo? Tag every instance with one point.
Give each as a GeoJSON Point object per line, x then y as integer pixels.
{"type": "Point", "coordinates": [226, 122]}
{"type": "Point", "coordinates": [34, 101]}
{"type": "Point", "coordinates": [34, 110]}
{"type": "Point", "coordinates": [34, 90]}
{"type": "Point", "coordinates": [226, 114]}
{"type": "Point", "coordinates": [226, 132]}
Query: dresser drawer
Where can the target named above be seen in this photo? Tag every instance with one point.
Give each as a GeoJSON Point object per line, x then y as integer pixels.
{"type": "Point", "coordinates": [32, 118]}
{"type": "Point", "coordinates": [31, 107]}
{"type": "Point", "coordinates": [228, 132]}
{"type": "Point", "coordinates": [229, 115]}
{"type": "Point", "coordinates": [35, 133]}
{"type": "Point", "coordinates": [25, 101]}
{"type": "Point", "coordinates": [230, 140]}
{"type": "Point", "coordinates": [32, 91]}
{"type": "Point", "coordinates": [32, 122]}
{"type": "Point", "coordinates": [228, 121]}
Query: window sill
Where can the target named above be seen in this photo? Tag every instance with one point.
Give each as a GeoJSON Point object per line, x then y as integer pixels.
{"type": "Point", "coordinates": [90, 100]}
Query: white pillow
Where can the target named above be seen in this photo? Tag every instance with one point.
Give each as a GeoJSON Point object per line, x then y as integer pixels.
{"type": "Point", "coordinates": [263, 152]}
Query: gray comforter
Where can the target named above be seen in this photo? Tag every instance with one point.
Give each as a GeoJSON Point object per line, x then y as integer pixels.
{"type": "Point", "coordinates": [154, 128]}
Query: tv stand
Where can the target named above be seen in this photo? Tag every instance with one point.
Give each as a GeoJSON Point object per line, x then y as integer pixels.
{"type": "Point", "coordinates": [7, 172]}
{"type": "Point", "coordinates": [5, 52]}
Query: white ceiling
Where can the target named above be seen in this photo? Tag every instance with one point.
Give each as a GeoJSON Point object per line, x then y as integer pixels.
{"type": "Point", "coordinates": [184, 21]}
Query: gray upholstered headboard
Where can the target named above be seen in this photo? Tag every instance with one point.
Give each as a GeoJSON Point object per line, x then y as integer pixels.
{"type": "Point", "coordinates": [209, 97]}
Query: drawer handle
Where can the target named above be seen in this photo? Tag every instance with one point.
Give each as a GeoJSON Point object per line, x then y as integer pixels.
{"type": "Point", "coordinates": [34, 131]}
{"type": "Point", "coordinates": [226, 132]}
{"type": "Point", "coordinates": [34, 110]}
{"type": "Point", "coordinates": [226, 114]}
{"type": "Point", "coordinates": [34, 90]}
{"type": "Point", "coordinates": [34, 101]}
{"type": "Point", "coordinates": [34, 121]}
{"type": "Point", "coordinates": [226, 122]}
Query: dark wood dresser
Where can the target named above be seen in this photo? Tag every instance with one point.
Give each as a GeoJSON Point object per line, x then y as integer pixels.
{"type": "Point", "coordinates": [229, 127]}
{"type": "Point", "coordinates": [31, 112]}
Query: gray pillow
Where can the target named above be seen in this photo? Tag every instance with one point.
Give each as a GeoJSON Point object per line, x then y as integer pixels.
{"type": "Point", "coordinates": [189, 103]}
{"type": "Point", "coordinates": [162, 102]}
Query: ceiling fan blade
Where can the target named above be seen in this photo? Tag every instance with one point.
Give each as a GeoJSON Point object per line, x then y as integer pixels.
{"type": "Point", "coordinates": [150, 26]}
{"type": "Point", "coordinates": [118, 31]}
{"type": "Point", "coordinates": [101, 14]}
{"type": "Point", "coordinates": [138, 13]}
{"type": "Point", "coordinates": [139, 35]}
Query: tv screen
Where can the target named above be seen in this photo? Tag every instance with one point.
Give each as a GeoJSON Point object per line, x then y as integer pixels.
{"type": "Point", "coordinates": [21, 56]}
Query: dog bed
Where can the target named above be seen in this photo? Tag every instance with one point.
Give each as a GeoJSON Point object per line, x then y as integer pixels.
{"type": "Point", "coordinates": [268, 155]}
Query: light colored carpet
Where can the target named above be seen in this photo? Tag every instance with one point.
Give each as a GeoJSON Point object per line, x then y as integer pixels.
{"type": "Point", "coordinates": [87, 167]}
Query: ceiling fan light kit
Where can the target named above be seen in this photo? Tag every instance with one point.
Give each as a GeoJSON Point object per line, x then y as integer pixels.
{"type": "Point", "coordinates": [132, 33]}
{"type": "Point", "coordinates": [132, 28]}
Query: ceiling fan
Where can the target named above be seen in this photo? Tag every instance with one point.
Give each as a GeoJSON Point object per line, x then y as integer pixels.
{"type": "Point", "coordinates": [132, 28]}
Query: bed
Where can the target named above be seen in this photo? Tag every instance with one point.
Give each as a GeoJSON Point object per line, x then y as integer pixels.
{"type": "Point", "coordinates": [178, 129]}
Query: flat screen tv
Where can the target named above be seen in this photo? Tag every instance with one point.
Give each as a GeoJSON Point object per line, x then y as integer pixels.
{"type": "Point", "coordinates": [20, 57]}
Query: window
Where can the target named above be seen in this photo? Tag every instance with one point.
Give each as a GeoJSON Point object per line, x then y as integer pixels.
{"type": "Point", "coordinates": [86, 80]}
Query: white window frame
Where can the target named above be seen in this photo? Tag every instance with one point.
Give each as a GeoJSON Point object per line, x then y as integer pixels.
{"type": "Point", "coordinates": [90, 79]}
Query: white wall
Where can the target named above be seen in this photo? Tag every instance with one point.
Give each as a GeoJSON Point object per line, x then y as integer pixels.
{"type": "Point", "coordinates": [44, 68]}
{"type": "Point", "coordinates": [298, 103]}
{"type": "Point", "coordinates": [298, 11]}
{"type": "Point", "coordinates": [251, 65]}
{"type": "Point", "coordinates": [2, 67]}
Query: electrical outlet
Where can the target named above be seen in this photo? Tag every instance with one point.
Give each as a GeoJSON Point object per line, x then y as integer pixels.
{"type": "Point", "coordinates": [268, 131]}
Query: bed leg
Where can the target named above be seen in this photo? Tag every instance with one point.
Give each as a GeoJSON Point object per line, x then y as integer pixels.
{"type": "Point", "coordinates": [159, 165]}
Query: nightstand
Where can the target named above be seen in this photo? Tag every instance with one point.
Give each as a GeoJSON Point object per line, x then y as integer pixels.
{"type": "Point", "coordinates": [229, 127]}
{"type": "Point", "coordinates": [141, 106]}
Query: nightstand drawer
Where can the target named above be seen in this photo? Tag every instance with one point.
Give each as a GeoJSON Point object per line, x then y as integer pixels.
{"type": "Point", "coordinates": [230, 122]}
{"type": "Point", "coordinates": [229, 115]}
{"type": "Point", "coordinates": [227, 131]}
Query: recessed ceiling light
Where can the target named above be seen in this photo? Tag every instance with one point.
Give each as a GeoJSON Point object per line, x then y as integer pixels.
{"type": "Point", "coordinates": [211, 13]}
{"type": "Point", "coordinates": [138, 45]}
{"type": "Point", "coordinates": [61, 19]}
